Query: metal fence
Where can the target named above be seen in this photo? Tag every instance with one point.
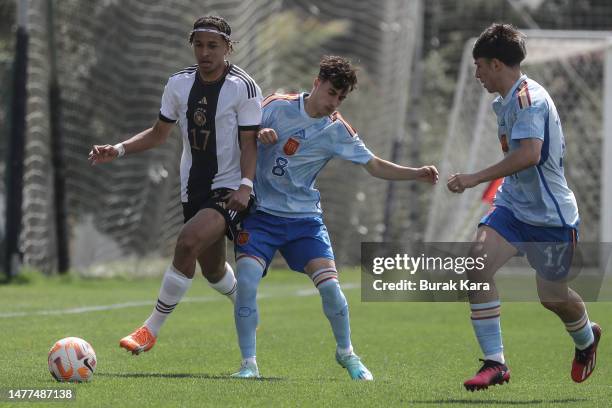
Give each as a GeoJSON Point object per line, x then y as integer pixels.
{"type": "Point", "coordinates": [114, 57]}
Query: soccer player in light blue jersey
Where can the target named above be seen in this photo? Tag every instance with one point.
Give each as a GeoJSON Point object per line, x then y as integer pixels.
{"type": "Point", "coordinates": [300, 134]}
{"type": "Point", "coordinates": [534, 210]}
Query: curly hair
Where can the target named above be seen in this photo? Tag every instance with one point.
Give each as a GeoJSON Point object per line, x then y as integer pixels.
{"type": "Point", "coordinates": [215, 22]}
{"type": "Point", "coordinates": [338, 71]}
{"type": "Point", "coordinates": [502, 41]}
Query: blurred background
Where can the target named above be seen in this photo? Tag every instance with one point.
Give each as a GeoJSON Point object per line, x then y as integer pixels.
{"type": "Point", "coordinates": [96, 72]}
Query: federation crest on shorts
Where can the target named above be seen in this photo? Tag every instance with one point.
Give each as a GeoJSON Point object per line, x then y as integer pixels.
{"type": "Point", "coordinates": [199, 117]}
{"type": "Point", "coordinates": [242, 238]}
{"type": "Point", "coordinates": [291, 146]}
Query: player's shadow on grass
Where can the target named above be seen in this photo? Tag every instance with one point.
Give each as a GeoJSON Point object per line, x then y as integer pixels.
{"type": "Point", "coordinates": [182, 375]}
{"type": "Point", "coordinates": [502, 402]}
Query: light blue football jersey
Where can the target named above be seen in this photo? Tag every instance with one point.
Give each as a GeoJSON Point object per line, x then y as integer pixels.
{"type": "Point", "coordinates": [287, 170]}
{"type": "Point", "coordinates": [538, 195]}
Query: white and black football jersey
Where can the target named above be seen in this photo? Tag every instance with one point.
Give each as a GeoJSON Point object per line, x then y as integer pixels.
{"type": "Point", "coordinates": [210, 116]}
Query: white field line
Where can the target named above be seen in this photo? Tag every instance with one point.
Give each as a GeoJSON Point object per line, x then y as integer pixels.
{"type": "Point", "coordinates": [125, 305]}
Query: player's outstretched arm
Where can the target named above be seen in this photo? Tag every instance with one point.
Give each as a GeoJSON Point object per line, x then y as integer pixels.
{"type": "Point", "coordinates": [144, 140]}
{"type": "Point", "coordinates": [386, 170]}
{"type": "Point", "coordinates": [527, 155]}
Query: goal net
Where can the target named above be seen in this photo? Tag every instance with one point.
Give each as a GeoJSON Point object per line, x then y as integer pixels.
{"type": "Point", "coordinates": [575, 68]}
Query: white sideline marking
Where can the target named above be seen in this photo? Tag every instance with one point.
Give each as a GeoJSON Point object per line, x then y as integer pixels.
{"type": "Point", "coordinates": [87, 309]}
{"type": "Point", "coordinates": [102, 308]}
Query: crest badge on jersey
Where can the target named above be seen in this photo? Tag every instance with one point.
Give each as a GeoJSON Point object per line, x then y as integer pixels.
{"type": "Point", "coordinates": [242, 238]}
{"type": "Point", "coordinates": [291, 146]}
{"type": "Point", "coordinates": [199, 117]}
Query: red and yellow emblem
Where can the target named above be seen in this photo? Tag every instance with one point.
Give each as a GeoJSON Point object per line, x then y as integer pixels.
{"type": "Point", "coordinates": [242, 238]}
{"type": "Point", "coordinates": [291, 146]}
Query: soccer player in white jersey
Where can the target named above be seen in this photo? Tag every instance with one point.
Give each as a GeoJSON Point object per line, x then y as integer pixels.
{"type": "Point", "coordinates": [534, 211]}
{"type": "Point", "coordinates": [300, 134]}
{"type": "Point", "coordinates": [218, 109]}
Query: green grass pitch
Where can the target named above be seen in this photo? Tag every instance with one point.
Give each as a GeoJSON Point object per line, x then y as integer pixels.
{"type": "Point", "coordinates": [419, 353]}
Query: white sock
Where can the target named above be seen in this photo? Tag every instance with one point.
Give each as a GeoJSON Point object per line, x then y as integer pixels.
{"type": "Point", "coordinates": [173, 288]}
{"type": "Point", "coordinates": [249, 361]}
{"type": "Point", "coordinates": [499, 357]}
{"type": "Point", "coordinates": [227, 285]}
{"type": "Point", "coordinates": [344, 351]}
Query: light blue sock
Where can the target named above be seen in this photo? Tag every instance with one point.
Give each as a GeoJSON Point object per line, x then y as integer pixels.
{"type": "Point", "coordinates": [249, 272]}
{"type": "Point", "coordinates": [486, 323]}
{"type": "Point", "coordinates": [581, 332]}
{"type": "Point", "coordinates": [335, 308]}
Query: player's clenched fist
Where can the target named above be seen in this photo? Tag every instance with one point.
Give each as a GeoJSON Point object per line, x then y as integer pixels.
{"type": "Point", "coordinates": [102, 154]}
{"type": "Point", "coordinates": [428, 174]}
{"type": "Point", "coordinates": [267, 136]}
{"type": "Point", "coordinates": [457, 183]}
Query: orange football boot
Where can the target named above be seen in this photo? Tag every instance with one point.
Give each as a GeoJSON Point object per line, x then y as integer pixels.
{"type": "Point", "coordinates": [141, 340]}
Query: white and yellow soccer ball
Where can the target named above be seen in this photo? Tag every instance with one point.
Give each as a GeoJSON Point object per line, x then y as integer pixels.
{"type": "Point", "coordinates": [72, 360]}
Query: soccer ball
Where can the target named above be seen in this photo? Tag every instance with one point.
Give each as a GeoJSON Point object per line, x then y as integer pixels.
{"type": "Point", "coordinates": [72, 359]}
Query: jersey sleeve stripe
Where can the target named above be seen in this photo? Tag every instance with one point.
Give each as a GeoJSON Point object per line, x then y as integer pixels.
{"type": "Point", "coordinates": [243, 72]}
{"type": "Point", "coordinates": [249, 127]}
{"type": "Point", "coordinates": [276, 97]}
{"type": "Point", "coordinates": [187, 70]}
{"type": "Point", "coordinates": [166, 119]}
{"type": "Point", "coordinates": [337, 116]}
{"type": "Point", "coordinates": [524, 99]}
{"type": "Point", "coordinates": [249, 83]}
{"type": "Point", "coordinates": [251, 90]}
{"type": "Point", "coordinates": [248, 77]}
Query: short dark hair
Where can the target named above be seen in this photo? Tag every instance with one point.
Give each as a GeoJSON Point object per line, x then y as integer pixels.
{"type": "Point", "coordinates": [502, 41]}
{"type": "Point", "coordinates": [215, 22]}
{"type": "Point", "coordinates": [338, 71]}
